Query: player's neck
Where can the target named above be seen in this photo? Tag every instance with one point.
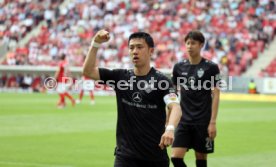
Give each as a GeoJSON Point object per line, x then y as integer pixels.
{"type": "Point", "coordinates": [195, 60]}
{"type": "Point", "coordinates": [141, 71]}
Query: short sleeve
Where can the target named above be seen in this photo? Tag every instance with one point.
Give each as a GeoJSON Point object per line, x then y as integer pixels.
{"type": "Point", "coordinates": [110, 77]}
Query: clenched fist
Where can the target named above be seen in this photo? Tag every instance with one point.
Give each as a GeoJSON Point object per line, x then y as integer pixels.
{"type": "Point", "coordinates": [102, 36]}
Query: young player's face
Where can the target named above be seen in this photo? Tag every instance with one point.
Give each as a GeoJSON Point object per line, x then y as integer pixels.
{"type": "Point", "coordinates": [140, 52]}
{"type": "Point", "coordinates": [193, 47]}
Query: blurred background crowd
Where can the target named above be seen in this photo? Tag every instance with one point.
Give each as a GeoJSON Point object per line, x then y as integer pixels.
{"type": "Point", "coordinates": [36, 32]}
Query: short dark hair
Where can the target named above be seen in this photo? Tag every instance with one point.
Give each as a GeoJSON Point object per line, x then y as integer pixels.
{"type": "Point", "coordinates": [142, 35]}
{"type": "Point", "coordinates": [195, 35]}
{"type": "Point", "coordinates": [63, 56]}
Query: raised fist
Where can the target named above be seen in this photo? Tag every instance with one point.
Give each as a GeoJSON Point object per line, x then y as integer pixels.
{"type": "Point", "coordinates": [102, 36]}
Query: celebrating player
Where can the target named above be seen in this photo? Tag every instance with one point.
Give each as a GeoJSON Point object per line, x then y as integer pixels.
{"type": "Point", "coordinates": [141, 134]}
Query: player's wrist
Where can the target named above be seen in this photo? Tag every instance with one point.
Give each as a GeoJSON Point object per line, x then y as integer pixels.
{"type": "Point", "coordinates": [95, 44]}
{"type": "Point", "coordinates": [170, 128]}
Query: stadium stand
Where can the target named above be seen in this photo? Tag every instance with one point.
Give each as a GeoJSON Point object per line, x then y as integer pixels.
{"type": "Point", "coordinates": [270, 70]}
{"type": "Point", "coordinates": [236, 30]}
{"type": "Point", "coordinates": [26, 82]}
{"type": "Point", "coordinates": [18, 18]}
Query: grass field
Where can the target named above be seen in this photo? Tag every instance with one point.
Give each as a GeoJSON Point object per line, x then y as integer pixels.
{"type": "Point", "coordinates": [34, 133]}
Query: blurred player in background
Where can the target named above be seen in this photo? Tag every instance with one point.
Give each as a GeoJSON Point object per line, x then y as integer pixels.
{"type": "Point", "coordinates": [87, 86]}
{"type": "Point", "coordinates": [62, 88]}
{"type": "Point", "coordinates": [199, 103]}
{"type": "Point", "coordinates": [141, 135]}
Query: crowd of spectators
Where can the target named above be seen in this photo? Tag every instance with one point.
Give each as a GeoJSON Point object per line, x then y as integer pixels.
{"type": "Point", "coordinates": [27, 82]}
{"type": "Point", "coordinates": [19, 17]}
{"type": "Point", "coordinates": [236, 30]}
{"type": "Point", "coordinates": [270, 70]}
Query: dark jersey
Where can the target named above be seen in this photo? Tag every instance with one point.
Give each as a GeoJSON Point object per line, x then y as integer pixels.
{"type": "Point", "coordinates": [141, 113]}
{"type": "Point", "coordinates": [196, 82]}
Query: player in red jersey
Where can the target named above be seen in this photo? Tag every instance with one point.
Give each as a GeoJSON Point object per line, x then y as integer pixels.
{"type": "Point", "coordinates": [62, 79]}
{"type": "Point", "coordinates": [88, 85]}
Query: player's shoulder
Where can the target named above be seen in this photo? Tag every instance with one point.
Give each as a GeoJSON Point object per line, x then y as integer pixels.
{"type": "Point", "coordinates": [181, 65]}
{"type": "Point", "coordinates": [160, 74]}
{"type": "Point", "coordinates": [115, 72]}
{"type": "Point", "coordinates": [63, 63]}
{"type": "Point", "coordinates": [183, 62]}
{"type": "Point", "coordinates": [60, 63]}
{"type": "Point", "coordinates": [119, 70]}
{"type": "Point", "coordinates": [126, 72]}
{"type": "Point", "coordinates": [211, 66]}
{"type": "Point", "coordinates": [129, 71]}
{"type": "Point", "coordinates": [209, 63]}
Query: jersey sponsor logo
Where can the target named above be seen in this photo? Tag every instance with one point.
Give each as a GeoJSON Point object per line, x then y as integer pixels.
{"type": "Point", "coordinates": [200, 72]}
{"type": "Point", "coordinates": [139, 105]}
{"type": "Point", "coordinates": [137, 97]}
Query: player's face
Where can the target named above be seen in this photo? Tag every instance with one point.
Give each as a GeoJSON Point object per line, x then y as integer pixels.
{"type": "Point", "coordinates": [193, 47]}
{"type": "Point", "coordinates": [140, 52]}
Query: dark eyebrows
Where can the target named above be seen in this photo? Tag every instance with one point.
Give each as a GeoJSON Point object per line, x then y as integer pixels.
{"type": "Point", "coordinates": [138, 45]}
{"type": "Point", "coordinates": [192, 41]}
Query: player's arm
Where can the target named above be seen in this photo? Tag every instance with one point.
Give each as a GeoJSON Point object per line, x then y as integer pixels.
{"type": "Point", "coordinates": [90, 69]}
{"type": "Point", "coordinates": [56, 74]}
{"type": "Point", "coordinates": [168, 111]}
{"type": "Point", "coordinates": [174, 115]}
{"type": "Point", "coordinates": [212, 130]}
{"type": "Point", "coordinates": [176, 87]}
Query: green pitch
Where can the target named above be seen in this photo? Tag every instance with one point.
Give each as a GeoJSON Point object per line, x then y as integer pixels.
{"type": "Point", "coordinates": [34, 133]}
